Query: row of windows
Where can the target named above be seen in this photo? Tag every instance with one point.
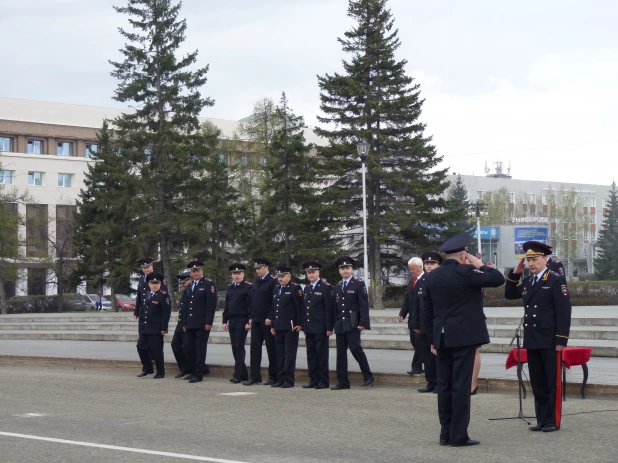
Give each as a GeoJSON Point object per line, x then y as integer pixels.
{"type": "Point", "coordinates": [588, 234]}
{"type": "Point", "coordinates": [530, 198]}
{"type": "Point", "coordinates": [63, 148]}
{"type": "Point", "coordinates": [35, 178]}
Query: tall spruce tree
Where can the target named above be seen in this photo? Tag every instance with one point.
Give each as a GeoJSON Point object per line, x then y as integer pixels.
{"type": "Point", "coordinates": [458, 206]}
{"type": "Point", "coordinates": [374, 100]}
{"type": "Point", "coordinates": [606, 264]}
{"type": "Point", "coordinates": [162, 136]}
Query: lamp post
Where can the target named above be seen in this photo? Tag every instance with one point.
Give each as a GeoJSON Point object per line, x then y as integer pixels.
{"type": "Point", "coordinates": [363, 150]}
{"type": "Point", "coordinates": [477, 208]}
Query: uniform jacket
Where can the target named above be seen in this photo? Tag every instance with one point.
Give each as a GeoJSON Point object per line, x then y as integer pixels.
{"type": "Point", "coordinates": [201, 305]}
{"type": "Point", "coordinates": [287, 306]}
{"type": "Point", "coordinates": [182, 308]}
{"type": "Point", "coordinates": [418, 315]}
{"type": "Point", "coordinates": [262, 292]}
{"type": "Point", "coordinates": [142, 291]}
{"type": "Point", "coordinates": [318, 308]}
{"type": "Point", "coordinates": [453, 302]}
{"type": "Point", "coordinates": [354, 302]}
{"type": "Point", "coordinates": [154, 315]}
{"type": "Point", "coordinates": [547, 309]}
{"type": "Point", "coordinates": [555, 266]}
{"type": "Point", "coordinates": [409, 301]}
{"type": "Point", "coordinates": [237, 302]}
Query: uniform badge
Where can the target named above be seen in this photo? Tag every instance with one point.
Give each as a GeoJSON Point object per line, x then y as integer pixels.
{"type": "Point", "coordinates": [564, 289]}
{"type": "Point", "coordinates": [477, 271]}
{"type": "Point", "coordinates": [300, 293]}
{"type": "Point", "coordinates": [212, 289]}
{"type": "Point", "coordinates": [350, 291]}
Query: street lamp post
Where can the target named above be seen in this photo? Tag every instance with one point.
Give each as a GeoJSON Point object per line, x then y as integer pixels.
{"type": "Point", "coordinates": [477, 208]}
{"type": "Point", "coordinates": [363, 150]}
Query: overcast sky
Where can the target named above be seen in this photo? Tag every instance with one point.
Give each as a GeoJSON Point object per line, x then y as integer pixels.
{"type": "Point", "coordinates": [532, 82]}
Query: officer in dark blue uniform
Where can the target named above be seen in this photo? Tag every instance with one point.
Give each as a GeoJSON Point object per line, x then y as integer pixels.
{"type": "Point", "coordinates": [318, 315]}
{"type": "Point", "coordinates": [146, 264]}
{"type": "Point", "coordinates": [178, 340]}
{"type": "Point", "coordinates": [198, 318]}
{"type": "Point", "coordinates": [262, 293]}
{"type": "Point", "coordinates": [455, 325]}
{"type": "Point", "coordinates": [431, 261]}
{"type": "Point", "coordinates": [555, 265]}
{"type": "Point", "coordinates": [351, 317]}
{"type": "Point", "coordinates": [236, 318]}
{"type": "Point", "coordinates": [286, 318]}
{"type": "Point", "coordinates": [154, 318]}
{"type": "Point", "coordinates": [547, 322]}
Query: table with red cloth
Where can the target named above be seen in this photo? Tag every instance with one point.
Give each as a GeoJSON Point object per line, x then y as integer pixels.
{"type": "Point", "coordinates": [571, 356]}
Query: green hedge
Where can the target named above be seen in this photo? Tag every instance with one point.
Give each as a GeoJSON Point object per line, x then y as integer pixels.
{"type": "Point", "coordinates": [41, 304]}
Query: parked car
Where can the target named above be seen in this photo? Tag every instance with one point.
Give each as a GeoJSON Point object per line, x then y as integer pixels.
{"type": "Point", "coordinates": [91, 301]}
{"type": "Point", "coordinates": [124, 303]}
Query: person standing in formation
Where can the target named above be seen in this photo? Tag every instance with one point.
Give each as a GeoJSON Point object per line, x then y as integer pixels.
{"type": "Point", "coordinates": [416, 272]}
{"type": "Point", "coordinates": [146, 263]}
{"type": "Point", "coordinates": [317, 321]}
{"type": "Point", "coordinates": [178, 340]}
{"type": "Point", "coordinates": [236, 317]}
{"type": "Point", "coordinates": [351, 317]}
{"type": "Point", "coordinates": [285, 320]}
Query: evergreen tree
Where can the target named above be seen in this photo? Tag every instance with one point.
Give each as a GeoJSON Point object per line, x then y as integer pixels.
{"type": "Point", "coordinates": [162, 136]}
{"type": "Point", "coordinates": [606, 264]}
{"type": "Point", "coordinates": [374, 100]}
{"type": "Point", "coordinates": [458, 206]}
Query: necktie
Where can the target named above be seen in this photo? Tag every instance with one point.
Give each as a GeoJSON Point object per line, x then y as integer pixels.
{"type": "Point", "coordinates": [150, 294]}
{"type": "Point", "coordinates": [414, 283]}
{"type": "Point", "coordinates": [194, 285]}
{"type": "Point", "coordinates": [536, 278]}
{"type": "Point", "coordinates": [345, 285]}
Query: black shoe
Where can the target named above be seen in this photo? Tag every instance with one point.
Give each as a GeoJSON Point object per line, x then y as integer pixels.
{"type": "Point", "coordinates": [467, 443]}
{"type": "Point", "coordinates": [309, 386]}
{"type": "Point", "coordinates": [195, 380]}
{"type": "Point", "coordinates": [270, 382]}
{"type": "Point", "coordinates": [234, 380]}
{"type": "Point", "coordinates": [416, 372]}
{"type": "Point", "coordinates": [536, 427]}
{"type": "Point", "coordinates": [206, 370]}
{"type": "Point", "coordinates": [444, 442]}
{"type": "Point", "coordinates": [287, 385]}
{"type": "Point", "coordinates": [145, 373]}
{"type": "Point", "coordinates": [276, 384]}
{"type": "Point", "coordinates": [435, 391]}
{"type": "Point", "coordinates": [368, 382]}
{"type": "Point", "coordinates": [251, 382]}
{"type": "Point", "coordinates": [426, 389]}
{"type": "Point", "coordinates": [321, 386]}
{"type": "Point", "coordinates": [188, 377]}
{"type": "Point", "coordinates": [338, 387]}
{"type": "Point", "coordinates": [180, 375]}
{"type": "Point", "coordinates": [410, 373]}
{"type": "Point", "coordinates": [549, 428]}
{"type": "Point", "coordinates": [474, 391]}
{"type": "Point", "coordinates": [159, 375]}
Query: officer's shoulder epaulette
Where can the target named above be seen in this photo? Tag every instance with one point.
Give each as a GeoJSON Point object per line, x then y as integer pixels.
{"type": "Point", "coordinates": [272, 276]}
{"type": "Point", "coordinates": [207, 279]}
{"type": "Point", "coordinates": [247, 282]}
{"type": "Point", "coordinates": [163, 292]}
{"type": "Point", "coordinates": [293, 284]}
{"type": "Point", "coordinates": [359, 279]}
{"type": "Point", "coordinates": [230, 285]}
{"type": "Point", "coordinates": [339, 284]}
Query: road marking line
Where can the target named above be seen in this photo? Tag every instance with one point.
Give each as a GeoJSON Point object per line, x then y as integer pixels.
{"type": "Point", "coordinates": [30, 415]}
{"type": "Point", "coordinates": [238, 393]}
{"type": "Point", "coordinates": [121, 449]}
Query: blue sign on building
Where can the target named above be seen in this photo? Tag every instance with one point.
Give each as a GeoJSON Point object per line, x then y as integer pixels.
{"type": "Point", "coordinates": [487, 233]}
{"type": "Point", "coordinates": [529, 234]}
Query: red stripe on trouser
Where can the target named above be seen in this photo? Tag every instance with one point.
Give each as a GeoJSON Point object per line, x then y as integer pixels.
{"type": "Point", "coordinates": [558, 388]}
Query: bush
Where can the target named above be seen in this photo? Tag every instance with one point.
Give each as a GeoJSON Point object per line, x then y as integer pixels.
{"type": "Point", "coordinates": [40, 304]}
{"type": "Point", "coordinates": [392, 296]}
{"type": "Point", "coordinates": [582, 293]}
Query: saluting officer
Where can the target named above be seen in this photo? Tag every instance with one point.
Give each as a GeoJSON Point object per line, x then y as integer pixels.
{"type": "Point", "coordinates": [236, 318]}
{"type": "Point", "coordinates": [142, 287]}
{"type": "Point", "coordinates": [198, 318]}
{"type": "Point", "coordinates": [351, 317]}
{"type": "Point", "coordinates": [318, 316]}
{"type": "Point", "coordinates": [154, 317]}
{"type": "Point", "coordinates": [456, 326]}
{"type": "Point", "coordinates": [547, 322]}
{"type": "Point", "coordinates": [262, 293]}
{"type": "Point", "coordinates": [178, 340]}
{"type": "Point", "coordinates": [286, 323]}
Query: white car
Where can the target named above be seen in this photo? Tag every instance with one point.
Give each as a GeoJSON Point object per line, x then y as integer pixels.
{"type": "Point", "coordinates": [91, 301]}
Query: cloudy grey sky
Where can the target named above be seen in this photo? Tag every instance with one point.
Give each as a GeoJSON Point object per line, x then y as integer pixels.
{"type": "Point", "coordinates": [532, 82]}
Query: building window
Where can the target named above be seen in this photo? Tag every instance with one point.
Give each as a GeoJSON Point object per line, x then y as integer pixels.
{"type": "Point", "coordinates": [64, 180]}
{"type": "Point", "coordinates": [222, 158]}
{"type": "Point", "coordinates": [244, 160]}
{"type": "Point", "coordinates": [91, 148]}
{"type": "Point", "coordinates": [593, 218]}
{"type": "Point", "coordinates": [480, 194]}
{"type": "Point", "coordinates": [6, 177]}
{"type": "Point", "coordinates": [263, 161]}
{"type": "Point", "coordinates": [593, 234]}
{"type": "Point", "coordinates": [6, 144]}
{"type": "Point", "coordinates": [593, 202]}
{"type": "Point", "coordinates": [511, 197]}
{"type": "Point", "coordinates": [64, 229]}
{"type": "Point", "coordinates": [530, 198]}
{"type": "Point", "coordinates": [544, 200]}
{"type": "Point", "coordinates": [585, 269]}
{"type": "Point", "coordinates": [585, 234]}
{"type": "Point", "coordinates": [36, 230]}
{"type": "Point", "coordinates": [35, 178]}
{"type": "Point", "coordinates": [35, 146]}
{"type": "Point", "coordinates": [65, 148]}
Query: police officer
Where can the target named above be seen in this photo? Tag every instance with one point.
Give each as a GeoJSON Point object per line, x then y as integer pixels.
{"type": "Point", "coordinates": [285, 320]}
{"type": "Point", "coordinates": [142, 287]}
{"type": "Point", "coordinates": [351, 317]}
{"type": "Point", "coordinates": [154, 317]}
{"type": "Point", "coordinates": [547, 322]}
{"type": "Point", "coordinates": [318, 314]}
{"type": "Point", "coordinates": [236, 318]}
{"type": "Point", "coordinates": [262, 293]}
{"type": "Point", "coordinates": [456, 326]}
{"type": "Point", "coordinates": [198, 318]}
{"type": "Point", "coordinates": [431, 261]}
{"type": "Point", "coordinates": [555, 265]}
{"type": "Point", "coordinates": [178, 340]}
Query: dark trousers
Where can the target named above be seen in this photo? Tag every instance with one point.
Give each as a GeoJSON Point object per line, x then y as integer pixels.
{"type": "Point", "coordinates": [455, 366]}
{"type": "Point", "coordinates": [195, 350]}
{"type": "Point", "coordinates": [238, 337]}
{"type": "Point", "coordinates": [317, 357]}
{"type": "Point", "coordinates": [260, 334]}
{"type": "Point", "coordinates": [149, 348]}
{"type": "Point", "coordinates": [178, 343]}
{"type": "Point", "coordinates": [350, 340]}
{"type": "Point", "coordinates": [424, 348]}
{"type": "Point", "coordinates": [286, 343]}
{"type": "Point", "coordinates": [542, 366]}
{"type": "Point", "coordinates": [417, 358]}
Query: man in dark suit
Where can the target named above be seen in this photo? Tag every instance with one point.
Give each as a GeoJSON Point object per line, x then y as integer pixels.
{"type": "Point", "coordinates": [456, 326]}
{"type": "Point", "coordinates": [351, 317]}
{"type": "Point", "coordinates": [547, 322]}
{"type": "Point", "coordinates": [286, 318]}
{"type": "Point", "coordinates": [236, 318]}
{"type": "Point", "coordinates": [198, 318]}
{"type": "Point", "coordinates": [154, 318]}
{"type": "Point", "coordinates": [146, 264]}
{"type": "Point", "coordinates": [431, 261]}
{"type": "Point", "coordinates": [178, 340]}
{"type": "Point", "coordinates": [262, 293]}
{"type": "Point", "coordinates": [416, 272]}
{"type": "Point", "coordinates": [318, 313]}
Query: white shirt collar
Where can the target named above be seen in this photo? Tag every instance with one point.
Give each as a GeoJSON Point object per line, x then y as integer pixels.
{"type": "Point", "coordinates": [348, 280]}
{"type": "Point", "coordinates": [540, 274]}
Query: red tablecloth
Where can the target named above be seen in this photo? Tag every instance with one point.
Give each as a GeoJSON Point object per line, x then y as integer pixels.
{"type": "Point", "coordinates": [570, 356]}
